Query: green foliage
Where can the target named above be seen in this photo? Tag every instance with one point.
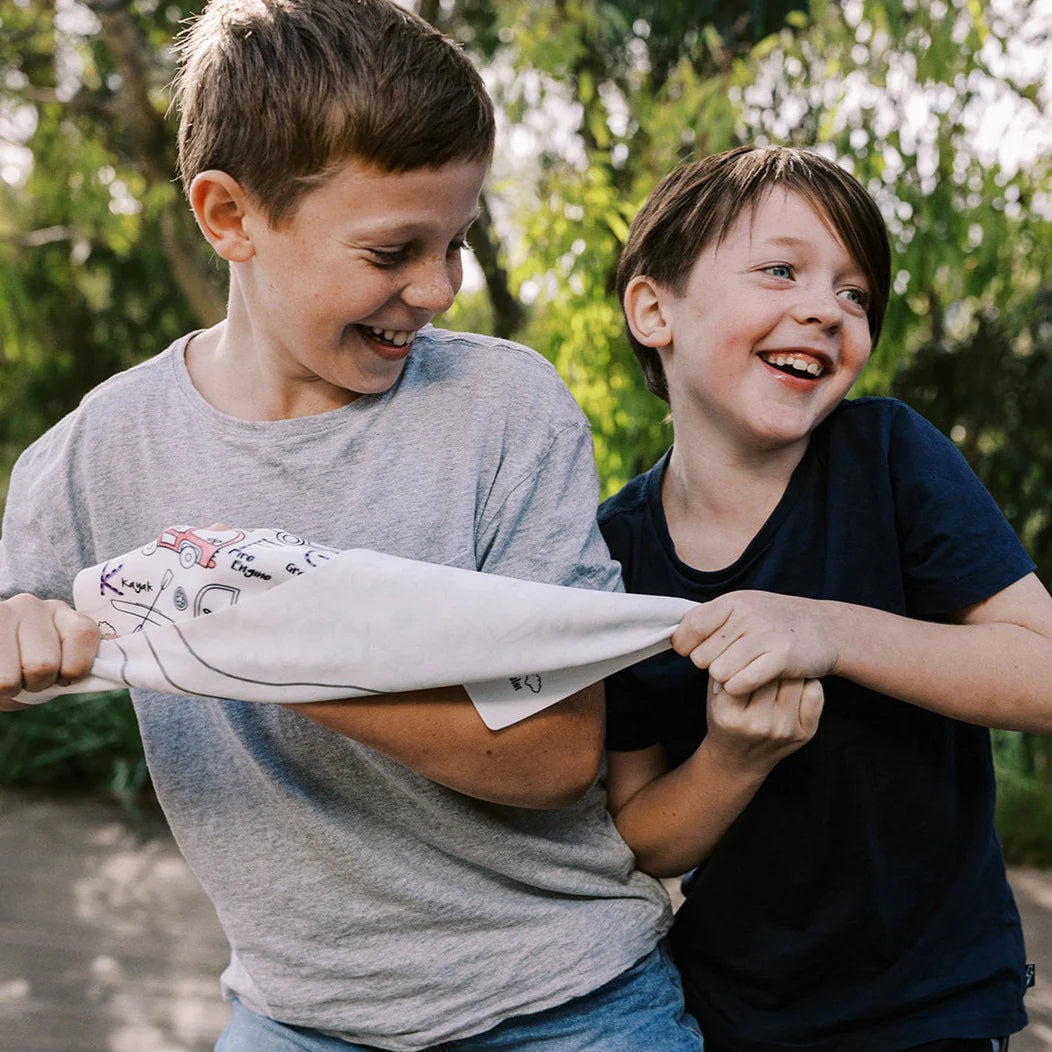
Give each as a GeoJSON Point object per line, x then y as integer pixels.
{"type": "Point", "coordinates": [1024, 819]}
{"type": "Point", "coordinates": [894, 91]}
{"type": "Point", "coordinates": [1024, 797]}
{"type": "Point", "coordinates": [88, 741]}
{"type": "Point", "coordinates": [992, 393]}
{"type": "Point", "coordinates": [88, 232]}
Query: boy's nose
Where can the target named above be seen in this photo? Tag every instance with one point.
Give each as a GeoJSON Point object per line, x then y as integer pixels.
{"type": "Point", "coordinates": [818, 306]}
{"type": "Point", "coordinates": [433, 286]}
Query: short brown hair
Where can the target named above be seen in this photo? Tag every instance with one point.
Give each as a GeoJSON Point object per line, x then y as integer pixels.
{"type": "Point", "coordinates": [698, 203]}
{"type": "Point", "coordinates": [281, 93]}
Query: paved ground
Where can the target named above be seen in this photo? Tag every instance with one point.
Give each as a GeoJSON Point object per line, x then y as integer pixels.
{"type": "Point", "coordinates": [107, 944]}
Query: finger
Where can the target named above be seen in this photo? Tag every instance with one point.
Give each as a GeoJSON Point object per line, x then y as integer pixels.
{"type": "Point", "coordinates": [723, 653]}
{"type": "Point", "coordinates": [742, 670]}
{"type": "Point", "coordinates": [698, 625]}
{"type": "Point", "coordinates": [736, 656]}
{"type": "Point", "coordinates": [79, 638]}
{"type": "Point", "coordinates": [10, 705]}
{"type": "Point", "coordinates": [39, 651]}
{"type": "Point", "coordinates": [812, 702]}
{"type": "Point", "coordinates": [10, 664]}
{"type": "Point", "coordinates": [762, 717]}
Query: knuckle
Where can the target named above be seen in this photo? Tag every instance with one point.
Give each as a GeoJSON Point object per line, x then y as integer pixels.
{"type": "Point", "coordinates": [83, 630]}
{"type": "Point", "coordinates": [13, 609]}
{"type": "Point", "coordinates": [38, 672]}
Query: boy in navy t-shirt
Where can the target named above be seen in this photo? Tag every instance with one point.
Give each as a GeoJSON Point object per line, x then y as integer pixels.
{"type": "Point", "coordinates": [850, 891]}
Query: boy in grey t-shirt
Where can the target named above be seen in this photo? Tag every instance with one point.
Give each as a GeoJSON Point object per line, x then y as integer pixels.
{"type": "Point", "coordinates": [387, 870]}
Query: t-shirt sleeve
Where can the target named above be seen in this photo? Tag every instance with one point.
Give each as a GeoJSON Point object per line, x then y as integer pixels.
{"type": "Point", "coordinates": [539, 522]}
{"type": "Point", "coordinates": [633, 694]}
{"type": "Point", "coordinates": [40, 544]}
{"type": "Point", "coordinates": [957, 548]}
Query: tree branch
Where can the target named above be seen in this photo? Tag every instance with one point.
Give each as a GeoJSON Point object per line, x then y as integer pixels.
{"type": "Point", "coordinates": [508, 314]}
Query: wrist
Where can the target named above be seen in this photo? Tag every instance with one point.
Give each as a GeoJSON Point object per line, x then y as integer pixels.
{"type": "Point", "coordinates": [747, 765]}
{"type": "Point", "coordinates": [836, 625]}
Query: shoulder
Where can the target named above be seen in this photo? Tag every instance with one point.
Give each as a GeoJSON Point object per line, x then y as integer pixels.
{"type": "Point", "coordinates": [888, 420]}
{"type": "Point", "coordinates": [882, 433]}
{"type": "Point", "coordinates": [881, 448]}
{"type": "Point", "coordinates": [872, 416]}
{"type": "Point", "coordinates": [629, 523]}
{"type": "Point", "coordinates": [437, 350]}
{"type": "Point", "coordinates": [485, 367]}
{"type": "Point", "coordinates": [628, 503]}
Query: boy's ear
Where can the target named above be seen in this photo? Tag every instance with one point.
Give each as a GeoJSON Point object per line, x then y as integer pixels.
{"type": "Point", "coordinates": [220, 207]}
{"type": "Point", "coordinates": [644, 314]}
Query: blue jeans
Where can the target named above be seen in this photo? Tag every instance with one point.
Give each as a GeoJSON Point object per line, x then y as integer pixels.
{"type": "Point", "coordinates": [641, 1009]}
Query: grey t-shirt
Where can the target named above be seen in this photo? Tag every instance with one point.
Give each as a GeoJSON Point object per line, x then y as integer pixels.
{"type": "Point", "coordinates": [359, 898]}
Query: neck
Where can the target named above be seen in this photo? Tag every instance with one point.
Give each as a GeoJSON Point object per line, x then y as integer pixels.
{"type": "Point", "coordinates": [236, 373]}
{"type": "Point", "coordinates": [717, 498]}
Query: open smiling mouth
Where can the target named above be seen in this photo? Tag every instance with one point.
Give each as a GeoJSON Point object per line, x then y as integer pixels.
{"type": "Point", "coordinates": [794, 365]}
{"type": "Point", "coordinates": [399, 339]}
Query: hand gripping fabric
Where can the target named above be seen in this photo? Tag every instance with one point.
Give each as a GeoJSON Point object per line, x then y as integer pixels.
{"type": "Point", "coordinates": [264, 616]}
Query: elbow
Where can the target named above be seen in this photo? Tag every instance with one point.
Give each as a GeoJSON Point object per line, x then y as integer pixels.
{"type": "Point", "coordinates": [565, 777]}
{"type": "Point", "coordinates": [573, 786]}
{"type": "Point", "coordinates": [565, 752]}
{"type": "Point", "coordinates": [655, 856]}
{"type": "Point", "coordinates": [568, 781]}
{"type": "Point", "coordinates": [663, 864]}
{"type": "Point", "coordinates": [659, 867]}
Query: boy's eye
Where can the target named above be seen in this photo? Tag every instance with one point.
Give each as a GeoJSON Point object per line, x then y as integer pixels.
{"type": "Point", "coordinates": [395, 257]}
{"type": "Point", "coordinates": [858, 296]}
{"type": "Point", "coordinates": [779, 270]}
{"type": "Point", "coordinates": [389, 257]}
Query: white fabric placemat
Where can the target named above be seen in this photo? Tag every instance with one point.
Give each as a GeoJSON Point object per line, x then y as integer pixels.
{"type": "Point", "coordinates": [264, 616]}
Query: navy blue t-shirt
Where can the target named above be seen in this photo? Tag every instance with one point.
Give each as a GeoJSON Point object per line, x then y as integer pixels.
{"type": "Point", "coordinates": [859, 903]}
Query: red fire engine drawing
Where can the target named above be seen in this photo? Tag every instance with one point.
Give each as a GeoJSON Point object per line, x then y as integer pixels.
{"type": "Point", "coordinates": [194, 546]}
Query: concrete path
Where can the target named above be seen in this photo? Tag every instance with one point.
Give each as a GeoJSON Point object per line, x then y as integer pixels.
{"type": "Point", "coordinates": [108, 944]}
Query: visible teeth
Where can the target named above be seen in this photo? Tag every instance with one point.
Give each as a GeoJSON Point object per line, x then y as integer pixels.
{"type": "Point", "coordinates": [398, 337]}
{"type": "Point", "coordinates": [795, 362]}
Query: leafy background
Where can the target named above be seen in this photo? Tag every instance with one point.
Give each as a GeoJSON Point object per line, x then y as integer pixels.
{"type": "Point", "coordinates": [940, 107]}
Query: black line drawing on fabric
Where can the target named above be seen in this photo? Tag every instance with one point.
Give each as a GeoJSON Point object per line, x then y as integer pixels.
{"type": "Point", "coordinates": [166, 580]}
{"type": "Point", "coordinates": [179, 599]}
{"type": "Point", "coordinates": [108, 631]}
{"type": "Point", "coordinates": [532, 682]}
{"type": "Point", "coordinates": [289, 540]}
{"type": "Point", "coordinates": [193, 546]}
{"type": "Point", "coordinates": [143, 612]}
{"type": "Point", "coordinates": [215, 597]}
{"type": "Point", "coordinates": [104, 579]}
{"type": "Point", "coordinates": [316, 556]}
{"type": "Point", "coordinates": [242, 679]}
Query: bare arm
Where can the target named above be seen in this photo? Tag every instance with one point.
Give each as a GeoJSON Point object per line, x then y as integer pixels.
{"type": "Point", "coordinates": [546, 761]}
{"type": "Point", "coordinates": [672, 819]}
{"type": "Point", "coordinates": [992, 667]}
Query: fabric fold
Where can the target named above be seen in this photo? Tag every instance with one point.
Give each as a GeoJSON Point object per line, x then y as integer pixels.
{"type": "Point", "coordinates": [262, 616]}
